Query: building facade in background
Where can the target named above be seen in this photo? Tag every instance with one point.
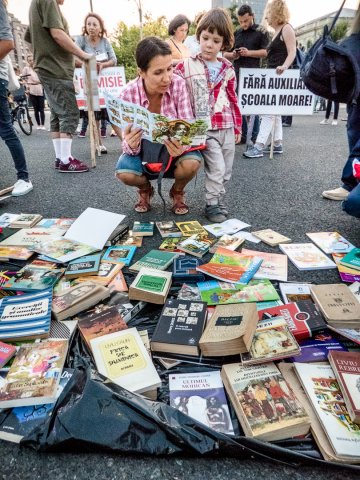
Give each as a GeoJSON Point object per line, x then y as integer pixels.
{"type": "Point", "coordinates": [22, 48]}
{"type": "Point", "coordinates": [258, 6]}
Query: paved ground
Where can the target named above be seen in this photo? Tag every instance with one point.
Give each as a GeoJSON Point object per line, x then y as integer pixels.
{"type": "Point", "coordinates": [284, 194]}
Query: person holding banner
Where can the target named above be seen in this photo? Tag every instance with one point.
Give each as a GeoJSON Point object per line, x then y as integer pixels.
{"type": "Point", "coordinates": [94, 42]}
{"type": "Point", "coordinates": [281, 55]}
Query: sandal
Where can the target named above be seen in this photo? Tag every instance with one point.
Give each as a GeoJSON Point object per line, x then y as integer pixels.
{"type": "Point", "coordinates": [179, 207]}
{"type": "Point", "coordinates": [143, 204]}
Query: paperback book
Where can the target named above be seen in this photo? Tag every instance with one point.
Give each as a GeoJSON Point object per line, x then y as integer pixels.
{"type": "Point", "coordinates": [30, 237]}
{"type": "Point", "coordinates": [189, 292]}
{"type": "Point", "coordinates": [120, 254]}
{"type": "Point", "coordinates": [56, 223]}
{"type": "Point", "coordinates": [7, 218]}
{"type": "Point", "coordinates": [270, 237]}
{"type": "Point", "coordinates": [305, 256]}
{"type": "Point", "coordinates": [352, 259]}
{"type": "Point", "coordinates": [117, 235]}
{"type": "Point", "coordinates": [7, 351]}
{"type": "Point", "coordinates": [190, 228]}
{"type": "Point", "coordinates": [184, 270]}
{"type": "Point", "coordinates": [352, 334]}
{"type": "Point", "coordinates": [231, 242]}
{"type": "Point", "coordinates": [168, 229]}
{"type": "Point", "coordinates": [331, 242]}
{"type": "Point", "coordinates": [317, 349]}
{"type": "Point", "coordinates": [88, 265]}
{"type": "Point", "coordinates": [347, 275]}
{"type": "Point", "coordinates": [107, 272]}
{"type": "Point", "coordinates": [274, 266]}
{"type": "Point", "coordinates": [228, 227]}
{"type": "Point", "coordinates": [202, 397]}
{"type": "Point", "coordinates": [143, 229]}
{"type": "Point", "coordinates": [155, 259]}
{"type": "Point", "coordinates": [32, 278]}
{"type": "Point", "coordinates": [63, 250]}
{"type": "Point", "coordinates": [150, 285]}
{"type": "Point", "coordinates": [14, 253]}
{"type": "Point", "coordinates": [25, 220]}
{"type": "Point", "coordinates": [129, 239]}
{"type": "Point", "coordinates": [170, 244]}
{"type": "Point", "coordinates": [295, 292]}
{"type": "Point", "coordinates": [197, 245]}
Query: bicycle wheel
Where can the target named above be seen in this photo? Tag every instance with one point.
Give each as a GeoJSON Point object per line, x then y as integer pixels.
{"type": "Point", "coordinates": [24, 120]}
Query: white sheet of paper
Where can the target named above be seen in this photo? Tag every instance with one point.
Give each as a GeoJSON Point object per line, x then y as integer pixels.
{"type": "Point", "coordinates": [93, 227]}
{"type": "Point", "coordinates": [248, 236]}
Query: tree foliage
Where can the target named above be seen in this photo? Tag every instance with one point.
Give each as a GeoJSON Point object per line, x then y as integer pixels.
{"type": "Point", "coordinates": [340, 30]}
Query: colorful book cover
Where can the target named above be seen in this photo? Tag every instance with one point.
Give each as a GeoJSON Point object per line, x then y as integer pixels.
{"type": "Point", "coordinates": [231, 242]}
{"type": "Point", "coordinates": [202, 397]}
{"type": "Point", "coordinates": [129, 239]}
{"type": "Point", "coordinates": [352, 334]}
{"type": "Point", "coordinates": [229, 227]}
{"type": "Point", "coordinates": [220, 293]}
{"type": "Point", "coordinates": [331, 242]}
{"type": "Point", "coordinates": [274, 266]}
{"type": "Point", "coordinates": [7, 351]}
{"type": "Point", "coordinates": [270, 304]}
{"type": "Point", "coordinates": [184, 270]}
{"type": "Point", "coordinates": [170, 244]}
{"type": "Point", "coordinates": [189, 292]}
{"type": "Point", "coordinates": [347, 274]}
{"type": "Point", "coordinates": [195, 245]}
{"type": "Point", "coordinates": [64, 250]}
{"type": "Point", "coordinates": [107, 271]}
{"type": "Point", "coordinates": [305, 256]}
{"type": "Point", "coordinates": [31, 237]}
{"type": "Point", "coordinates": [190, 228]}
{"type": "Point", "coordinates": [168, 229]}
{"type": "Point", "coordinates": [229, 266]}
{"type": "Point", "coordinates": [32, 278]}
{"type": "Point", "coordinates": [295, 292]}
{"type": "Point", "coordinates": [118, 283]}
{"type": "Point", "coordinates": [88, 265]}
{"type": "Point", "coordinates": [120, 254]}
{"type": "Point", "coordinates": [318, 348]}
{"type": "Point", "coordinates": [160, 260]}
{"type": "Point", "coordinates": [56, 223]}
{"type": "Point", "coordinates": [15, 253]}
{"type": "Point", "coordinates": [143, 229]}
{"type": "Point", "coordinates": [352, 259]}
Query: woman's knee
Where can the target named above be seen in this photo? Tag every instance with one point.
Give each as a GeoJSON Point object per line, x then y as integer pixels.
{"type": "Point", "coordinates": [127, 178]}
{"type": "Point", "coordinates": [189, 167]}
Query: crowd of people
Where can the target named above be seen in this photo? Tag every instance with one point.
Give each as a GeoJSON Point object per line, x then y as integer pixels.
{"type": "Point", "coordinates": [187, 77]}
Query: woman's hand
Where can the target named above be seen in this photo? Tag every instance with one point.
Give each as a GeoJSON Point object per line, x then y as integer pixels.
{"type": "Point", "coordinates": [174, 147]}
{"type": "Point", "coordinates": [281, 69]}
{"type": "Point", "coordinates": [132, 136]}
{"type": "Point", "coordinates": [237, 138]}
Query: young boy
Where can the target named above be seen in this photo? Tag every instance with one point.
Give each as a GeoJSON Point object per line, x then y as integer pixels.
{"type": "Point", "coordinates": [211, 83]}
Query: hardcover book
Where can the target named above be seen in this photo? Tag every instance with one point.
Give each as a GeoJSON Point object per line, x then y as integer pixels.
{"type": "Point", "coordinates": [323, 391]}
{"type": "Point", "coordinates": [155, 259]}
{"type": "Point", "coordinates": [228, 227]}
{"type": "Point", "coordinates": [338, 304]}
{"type": "Point", "coordinates": [26, 220]}
{"type": "Point", "coordinates": [231, 266]}
{"type": "Point", "coordinates": [230, 330]}
{"type": "Point", "coordinates": [190, 228]}
{"type": "Point", "coordinates": [220, 293]}
{"type": "Point", "coordinates": [347, 274]}
{"type": "Point", "coordinates": [197, 245]}
{"type": "Point", "coordinates": [295, 292]}
{"type": "Point", "coordinates": [123, 358]}
{"type": "Point", "coordinates": [168, 229]}
{"type": "Point", "coordinates": [352, 259]}
{"type": "Point", "coordinates": [34, 376]}
{"type": "Point", "coordinates": [150, 286]}
{"type": "Point", "coordinates": [264, 402]}
{"type": "Point", "coordinates": [231, 242]}
{"type": "Point", "coordinates": [270, 237]}
{"type": "Point", "coordinates": [305, 256]}
{"type": "Point", "coordinates": [184, 270]}
{"type": "Point", "coordinates": [303, 318]}
{"type": "Point", "coordinates": [143, 229]}
{"type": "Point", "coordinates": [331, 242]}
{"type": "Point", "coordinates": [272, 341]}
{"type": "Point", "coordinates": [346, 366]}
{"type": "Point", "coordinates": [120, 254]}
{"type": "Point", "coordinates": [32, 278]}
{"type": "Point", "coordinates": [274, 266]}
{"type": "Point", "coordinates": [88, 265]}
{"type": "Point", "coordinates": [202, 397]}
{"type": "Point", "coordinates": [179, 327]}
{"type": "Point", "coordinates": [7, 351]}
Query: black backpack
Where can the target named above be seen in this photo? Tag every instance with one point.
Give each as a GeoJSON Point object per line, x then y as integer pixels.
{"type": "Point", "coordinates": [331, 70]}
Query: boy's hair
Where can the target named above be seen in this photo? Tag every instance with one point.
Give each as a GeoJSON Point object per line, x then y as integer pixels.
{"type": "Point", "coordinates": [217, 19]}
{"type": "Point", "coordinates": [177, 22]}
{"type": "Point", "coordinates": [244, 9]}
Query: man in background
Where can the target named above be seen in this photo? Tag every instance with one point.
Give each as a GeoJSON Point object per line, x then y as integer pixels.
{"type": "Point", "coordinates": [54, 52]}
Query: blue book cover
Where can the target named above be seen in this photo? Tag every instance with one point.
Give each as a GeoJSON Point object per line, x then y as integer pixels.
{"type": "Point", "coordinates": [120, 254]}
{"type": "Point", "coordinates": [184, 269]}
{"type": "Point", "coordinates": [317, 349]}
{"type": "Point", "coordinates": [26, 316]}
{"type": "Point", "coordinates": [88, 265]}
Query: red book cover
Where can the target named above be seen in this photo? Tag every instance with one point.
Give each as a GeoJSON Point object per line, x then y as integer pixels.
{"type": "Point", "coordinates": [6, 353]}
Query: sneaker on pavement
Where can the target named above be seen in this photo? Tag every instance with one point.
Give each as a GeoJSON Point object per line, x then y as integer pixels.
{"type": "Point", "coordinates": [324, 122]}
{"type": "Point", "coordinates": [57, 163]}
{"type": "Point", "coordinates": [214, 214]}
{"type": "Point", "coordinates": [103, 133]}
{"type": "Point", "coordinates": [336, 194]}
{"type": "Point", "coordinates": [334, 122]}
{"type": "Point", "coordinates": [82, 134]}
{"type": "Point", "coordinates": [74, 166]}
{"type": "Point", "coordinates": [253, 152]}
{"type": "Point", "coordinates": [277, 149]}
{"type": "Point", "coordinates": [102, 149]}
{"type": "Point", "coordinates": [21, 187]}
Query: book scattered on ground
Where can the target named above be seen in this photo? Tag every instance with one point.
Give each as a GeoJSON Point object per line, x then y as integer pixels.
{"type": "Point", "coordinates": [269, 304]}
{"type": "Point", "coordinates": [129, 239]}
{"type": "Point", "coordinates": [305, 256]}
{"type": "Point", "coordinates": [202, 397]}
{"type": "Point", "coordinates": [150, 286]}
{"type": "Point", "coordinates": [317, 349]}
{"type": "Point", "coordinates": [25, 317]}
{"type": "Point", "coordinates": [6, 232]}
{"type": "Point", "coordinates": [88, 265]}
{"type": "Point", "coordinates": [352, 334]}
{"type": "Point", "coordinates": [270, 237]}
{"type": "Point", "coordinates": [179, 327]}
{"type": "Point", "coordinates": [184, 270]}
{"type": "Point", "coordinates": [230, 266]}
{"type": "Point", "coordinates": [168, 229]}
{"type": "Point", "coordinates": [231, 242]}
{"type": "Point", "coordinates": [220, 293]}
{"type": "Point", "coordinates": [331, 242]}
{"type": "Point", "coordinates": [230, 330]}
{"type": "Point", "coordinates": [107, 272]}
{"type": "Point", "coordinates": [143, 229]}
{"type": "Point", "coordinates": [355, 288]}
{"type": "Point", "coordinates": [264, 402]}
{"type": "Point", "coordinates": [295, 292]}
{"type": "Point", "coordinates": [34, 375]}
{"type": "Point", "coordinates": [102, 323]}
{"type": "Point", "coordinates": [324, 393]}
{"type": "Point", "coordinates": [25, 220]}
{"type": "Point", "coordinates": [117, 235]}
{"type": "Point", "coordinates": [120, 254]}
{"type": "Point", "coordinates": [7, 218]}
{"type": "Point", "coordinates": [118, 283]}
{"type": "Point", "coordinates": [274, 266]}
{"type": "Point", "coordinates": [346, 366]}
{"type": "Point", "coordinates": [170, 244]}
{"type": "Point", "coordinates": [63, 250]}
{"type": "Point", "coordinates": [14, 253]}
{"type": "Point", "coordinates": [228, 227]}
{"type": "Point", "coordinates": [197, 245]}
{"type": "Point", "coordinates": [189, 292]}
{"type": "Point", "coordinates": [123, 358]}
{"type": "Point", "coordinates": [56, 223]}
{"type": "Point", "coordinates": [78, 298]}
{"type": "Point", "coordinates": [352, 259]}
{"type": "Point", "coordinates": [7, 351]}
{"type": "Point", "coordinates": [303, 318]}
{"type": "Point", "coordinates": [31, 237]}
{"type": "Point", "coordinates": [272, 340]}
{"type": "Point", "coordinates": [32, 278]}
{"type": "Point", "coordinates": [156, 259]}
{"type": "Point", "coordinates": [338, 304]}
{"type": "Point", "coordinates": [347, 274]}
{"type": "Point", "coordinates": [155, 127]}
{"type": "Point", "coordinates": [190, 228]}
{"type": "Point", "coordinates": [20, 421]}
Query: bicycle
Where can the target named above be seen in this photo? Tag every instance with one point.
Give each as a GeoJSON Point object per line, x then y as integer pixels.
{"type": "Point", "coordinates": [20, 112]}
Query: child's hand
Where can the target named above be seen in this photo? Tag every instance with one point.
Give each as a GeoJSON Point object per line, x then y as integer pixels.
{"type": "Point", "coordinates": [174, 147]}
{"type": "Point", "coordinates": [237, 138]}
{"type": "Point", "coordinates": [132, 136]}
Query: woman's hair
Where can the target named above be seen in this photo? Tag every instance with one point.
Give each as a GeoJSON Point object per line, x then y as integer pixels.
{"type": "Point", "coordinates": [279, 12]}
{"type": "Point", "coordinates": [149, 48]}
{"type": "Point", "coordinates": [356, 22]}
{"type": "Point", "coordinates": [217, 20]}
{"type": "Point", "coordinates": [176, 22]}
{"type": "Point", "coordinates": [103, 32]}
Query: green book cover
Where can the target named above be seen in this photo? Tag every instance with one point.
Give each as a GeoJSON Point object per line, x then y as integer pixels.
{"type": "Point", "coordinates": [143, 228]}
{"type": "Point", "coordinates": [220, 293]}
{"type": "Point", "coordinates": [159, 260]}
{"type": "Point", "coordinates": [352, 259]}
{"type": "Point", "coordinates": [151, 283]}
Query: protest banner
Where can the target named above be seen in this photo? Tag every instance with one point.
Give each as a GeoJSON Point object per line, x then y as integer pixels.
{"type": "Point", "coordinates": [263, 91]}
{"type": "Point", "coordinates": [111, 79]}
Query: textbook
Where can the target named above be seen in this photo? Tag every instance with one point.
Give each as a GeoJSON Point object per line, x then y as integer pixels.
{"type": "Point", "coordinates": [120, 254]}
{"type": "Point", "coordinates": [88, 265]}
{"type": "Point", "coordinates": [229, 266]}
{"type": "Point", "coordinates": [230, 242]}
{"type": "Point", "coordinates": [331, 242]}
{"type": "Point", "coordinates": [201, 396]}
{"type": "Point", "coordinates": [168, 229]}
{"type": "Point", "coordinates": [34, 375]}
{"type": "Point", "coordinates": [228, 227]}
{"type": "Point", "coordinates": [157, 259]}
{"type": "Point", "coordinates": [270, 237]}
{"type": "Point", "coordinates": [352, 259]}
{"type": "Point", "coordinates": [25, 220]}
{"type": "Point", "coordinates": [155, 127]}
{"type": "Point", "coordinates": [274, 266]}
{"type": "Point", "coordinates": [305, 256]}
{"type": "Point", "coordinates": [190, 228]}
{"type": "Point", "coordinates": [347, 274]}
{"type": "Point", "coordinates": [150, 285]}
{"type": "Point", "coordinates": [143, 229]}
{"type": "Point", "coordinates": [32, 278]}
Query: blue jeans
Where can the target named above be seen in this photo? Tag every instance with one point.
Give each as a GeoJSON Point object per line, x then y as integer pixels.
{"type": "Point", "coordinates": [352, 204]}
{"type": "Point", "coordinates": [8, 134]}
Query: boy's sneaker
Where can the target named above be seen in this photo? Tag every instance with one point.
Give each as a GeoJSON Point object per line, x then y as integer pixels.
{"type": "Point", "coordinates": [103, 133]}
{"type": "Point", "coordinates": [21, 187]}
{"type": "Point", "coordinates": [82, 134]}
{"type": "Point", "coordinates": [74, 166]}
{"type": "Point", "coordinates": [254, 152]}
{"type": "Point", "coordinates": [214, 214]}
{"type": "Point", "coordinates": [277, 149]}
{"type": "Point", "coordinates": [102, 149]}
{"type": "Point", "coordinates": [223, 208]}
{"type": "Point", "coordinates": [57, 163]}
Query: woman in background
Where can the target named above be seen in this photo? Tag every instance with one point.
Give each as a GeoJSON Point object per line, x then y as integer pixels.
{"type": "Point", "coordinates": [178, 30]}
{"type": "Point", "coordinates": [36, 92]}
